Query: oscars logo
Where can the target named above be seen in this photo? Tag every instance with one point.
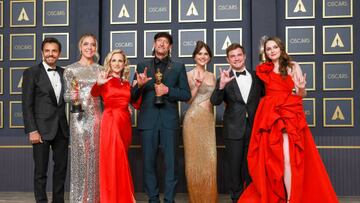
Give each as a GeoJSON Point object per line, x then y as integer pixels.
{"type": "Point", "coordinates": [300, 7]}
{"type": "Point", "coordinates": [123, 12]}
{"type": "Point", "coordinates": [192, 10]}
{"type": "Point", "coordinates": [23, 16]}
{"type": "Point", "coordinates": [227, 43]}
{"type": "Point", "coordinates": [337, 41]}
{"type": "Point", "coordinates": [338, 114]}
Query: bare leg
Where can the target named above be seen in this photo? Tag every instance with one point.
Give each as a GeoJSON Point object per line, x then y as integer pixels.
{"type": "Point", "coordinates": [287, 166]}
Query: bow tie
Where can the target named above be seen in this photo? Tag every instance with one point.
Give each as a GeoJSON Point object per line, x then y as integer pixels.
{"type": "Point", "coordinates": [52, 69]}
{"type": "Point", "coordinates": [240, 73]}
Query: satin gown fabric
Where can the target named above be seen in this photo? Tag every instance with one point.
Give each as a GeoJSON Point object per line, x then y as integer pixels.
{"type": "Point", "coordinates": [280, 109]}
{"type": "Point", "coordinates": [200, 147]}
{"type": "Point", "coordinates": [116, 184]}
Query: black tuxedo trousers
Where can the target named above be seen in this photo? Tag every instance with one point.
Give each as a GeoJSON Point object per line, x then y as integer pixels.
{"type": "Point", "coordinates": [41, 151]}
{"type": "Point", "coordinates": [236, 153]}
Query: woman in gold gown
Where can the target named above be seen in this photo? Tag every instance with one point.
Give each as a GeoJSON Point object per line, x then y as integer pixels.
{"type": "Point", "coordinates": [199, 131]}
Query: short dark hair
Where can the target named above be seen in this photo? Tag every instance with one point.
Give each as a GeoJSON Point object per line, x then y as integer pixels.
{"type": "Point", "coordinates": [164, 34]}
{"type": "Point", "coordinates": [234, 46]}
{"type": "Point", "coordinates": [50, 40]}
{"type": "Point", "coordinates": [199, 46]}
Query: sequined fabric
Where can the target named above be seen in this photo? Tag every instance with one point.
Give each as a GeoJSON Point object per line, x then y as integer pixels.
{"type": "Point", "coordinates": [84, 134]}
{"type": "Point", "coordinates": [200, 147]}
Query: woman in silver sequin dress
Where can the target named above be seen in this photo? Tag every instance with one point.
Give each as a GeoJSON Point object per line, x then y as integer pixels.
{"type": "Point", "coordinates": [84, 126]}
{"type": "Point", "coordinates": [199, 131]}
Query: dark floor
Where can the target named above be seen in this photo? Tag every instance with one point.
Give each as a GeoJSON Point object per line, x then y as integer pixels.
{"type": "Point", "coordinates": [27, 197]}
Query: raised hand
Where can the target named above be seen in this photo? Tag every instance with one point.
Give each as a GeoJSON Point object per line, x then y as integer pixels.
{"type": "Point", "coordinates": [142, 78]}
{"type": "Point", "coordinates": [225, 78]}
{"type": "Point", "coordinates": [103, 77]}
{"type": "Point", "coordinates": [198, 79]}
{"type": "Point", "coordinates": [300, 81]}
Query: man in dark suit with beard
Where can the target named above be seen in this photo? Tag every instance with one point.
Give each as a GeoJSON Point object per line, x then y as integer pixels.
{"type": "Point", "coordinates": [240, 90]}
{"type": "Point", "coordinates": [158, 121]}
{"type": "Point", "coordinates": [45, 120]}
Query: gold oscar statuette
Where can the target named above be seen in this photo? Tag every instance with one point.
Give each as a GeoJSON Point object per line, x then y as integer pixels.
{"type": "Point", "coordinates": [76, 104]}
{"type": "Point", "coordinates": [158, 78]}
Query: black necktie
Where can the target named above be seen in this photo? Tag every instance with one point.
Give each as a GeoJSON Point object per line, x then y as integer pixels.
{"type": "Point", "coordinates": [240, 73]}
{"type": "Point", "coordinates": [52, 69]}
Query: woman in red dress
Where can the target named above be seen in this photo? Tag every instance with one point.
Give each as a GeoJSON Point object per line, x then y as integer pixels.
{"type": "Point", "coordinates": [116, 184]}
{"type": "Point", "coordinates": [283, 161]}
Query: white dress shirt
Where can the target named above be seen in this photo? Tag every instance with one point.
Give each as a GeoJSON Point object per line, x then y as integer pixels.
{"type": "Point", "coordinates": [55, 80]}
{"type": "Point", "coordinates": [244, 83]}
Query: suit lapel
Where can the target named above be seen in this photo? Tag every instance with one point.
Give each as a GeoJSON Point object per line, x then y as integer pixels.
{"type": "Point", "coordinates": [252, 88]}
{"type": "Point", "coordinates": [48, 86]}
{"type": "Point", "coordinates": [61, 71]}
{"type": "Point", "coordinates": [168, 69]}
{"type": "Point", "coordinates": [151, 72]}
{"type": "Point", "coordinates": [151, 69]}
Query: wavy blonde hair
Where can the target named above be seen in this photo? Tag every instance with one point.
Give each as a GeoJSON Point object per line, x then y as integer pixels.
{"type": "Point", "coordinates": [81, 40]}
{"type": "Point", "coordinates": [125, 73]}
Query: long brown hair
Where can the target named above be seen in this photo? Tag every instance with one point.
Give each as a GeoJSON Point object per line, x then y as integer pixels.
{"type": "Point", "coordinates": [125, 72]}
{"type": "Point", "coordinates": [284, 60]}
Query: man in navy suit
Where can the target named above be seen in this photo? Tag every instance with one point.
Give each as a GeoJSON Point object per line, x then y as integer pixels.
{"type": "Point", "coordinates": [45, 120]}
{"type": "Point", "coordinates": [158, 124]}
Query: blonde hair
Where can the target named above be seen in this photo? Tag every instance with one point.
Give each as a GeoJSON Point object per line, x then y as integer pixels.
{"type": "Point", "coordinates": [81, 40]}
{"type": "Point", "coordinates": [125, 73]}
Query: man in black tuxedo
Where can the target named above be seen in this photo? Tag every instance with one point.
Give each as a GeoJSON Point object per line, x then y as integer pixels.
{"type": "Point", "coordinates": [45, 120]}
{"type": "Point", "coordinates": [240, 89]}
{"type": "Point", "coordinates": [158, 122]}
